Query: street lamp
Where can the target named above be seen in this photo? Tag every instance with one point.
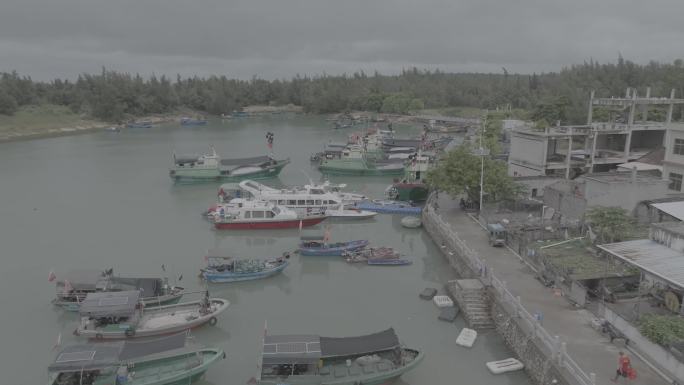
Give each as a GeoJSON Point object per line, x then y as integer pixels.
{"type": "Point", "coordinates": [482, 152]}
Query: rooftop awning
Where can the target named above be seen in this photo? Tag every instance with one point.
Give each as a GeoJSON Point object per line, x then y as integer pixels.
{"type": "Point", "coordinates": [118, 303]}
{"type": "Point", "coordinates": [149, 287]}
{"type": "Point", "coordinates": [290, 349]}
{"type": "Point", "coordinates": [640, 166]}
{"type": "Point", "coordinates": [650, 257]}
{"type": "Point", "coordinates": [675, 209]}
{"type": "Point", "coordinates": [83, 280]}
{"type": "Point", "coordinates": [377, 342]}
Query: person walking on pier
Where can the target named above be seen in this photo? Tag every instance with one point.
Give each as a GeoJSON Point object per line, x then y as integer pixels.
{"type": "Point", "coordinates": [624, 366]}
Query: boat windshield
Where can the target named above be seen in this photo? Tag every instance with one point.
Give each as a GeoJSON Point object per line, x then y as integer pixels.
{"type": "Point", "coordinates": [276, 211]}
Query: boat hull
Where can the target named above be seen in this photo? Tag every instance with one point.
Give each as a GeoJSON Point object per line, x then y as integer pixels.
{"type": "Point", "coordinates": [382, 378]}
{"type": "Point", "coordinates": [218, 277]}
{"type": "Point", "coordinates": [389, 208]}
{"type": "Point", "coordinates": [358, 167]}
{"type": "Point", "coordinates": [149, 302]}
{"type": "Point", "coordinates": [214, 174]}
{"type": "Point", "coordinates": [155, 324]}
{"type": "Point", "coordinates": [265, 225]}
{"type": "Point", "coordinates": [332, 251]}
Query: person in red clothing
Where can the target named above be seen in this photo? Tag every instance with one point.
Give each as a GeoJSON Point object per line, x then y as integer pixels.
{"type": "Point", "coordinates": [624, 366]}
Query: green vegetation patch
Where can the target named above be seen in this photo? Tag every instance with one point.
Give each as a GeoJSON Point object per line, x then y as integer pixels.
{"type": "Point", "coordinates": [662, 329]}
{"type": "Point", "coordinates": [576, 260]}
{"type": "Point", "coordinates": [28, 119]}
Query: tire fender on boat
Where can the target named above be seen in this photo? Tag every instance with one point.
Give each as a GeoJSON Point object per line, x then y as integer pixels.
{"type": "Point", "coordinates": [130, 332]}
{"type": "Point", "coordinates": [212, 321]}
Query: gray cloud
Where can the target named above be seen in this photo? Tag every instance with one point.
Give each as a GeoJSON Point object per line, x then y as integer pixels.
{"type": "Point", "coordinates": [280, 38]}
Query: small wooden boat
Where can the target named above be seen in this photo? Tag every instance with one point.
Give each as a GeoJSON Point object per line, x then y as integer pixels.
{"type": "Point", "coordinates": [342, 213]}
{"type": "Point", "coordinates": [504, 366]}
{"type": "Point", "coordinates": [390, 207]}
{"type": "Point", "coordinates": [246, 214]}
{"type": "Point", "coordinates": [223, 268]}
{"type": "Point", "coordinates": [193, 122]}
{"type": "Point", "coordinates": [162, 361]}
{"type": "Point", "coordinates": [309, 359]}
{"type": "Point", "coordinates": [389, 262]}
{"type": "Point", "coordinates": [139, 125]}
{"type": "Point", "coordinates": [122, 315]}
{"type": "Point", "coordinates": [316, 245]}
{"type": "Point", "coordinates": [75, 285]}
{"type": "Point", "coordinates": [370, 253]}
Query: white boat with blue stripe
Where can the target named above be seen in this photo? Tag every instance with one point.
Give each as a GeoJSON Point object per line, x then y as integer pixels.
{"type": "Point", "coordinates": [222, 268]}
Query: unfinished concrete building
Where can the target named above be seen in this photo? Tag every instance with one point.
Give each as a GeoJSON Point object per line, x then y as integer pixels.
{"type": "Point", "coordinates": [628, 134]}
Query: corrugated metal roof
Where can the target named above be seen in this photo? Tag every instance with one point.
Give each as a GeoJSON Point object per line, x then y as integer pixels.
{"type": "Point", "coordinates": [640, 166]}
{"type": "Point", "coordinates": [651, 257]}
{"type": "Point", "coordinates": [675, 209]}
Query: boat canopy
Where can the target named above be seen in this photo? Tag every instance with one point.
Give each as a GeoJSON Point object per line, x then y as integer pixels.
{"type": "Point", "coordinates": [182, 159]}
{"type": "Point", "coordinates": [302, 349]}
{"type": "Point", "coordinates": [245, 161]}
{"type": "Point", "coordinates": [290, 349]}
{"type": "Point", "coordinates": [371, 343]}
{"type": "Point", "coordinates": [117, 303]}
{"type": "Point", "coordinates": [150, 287]}
{"type": "Point", "coordinates": [96, 356]}
{"type": "Point", "coordinates": [83, 280]}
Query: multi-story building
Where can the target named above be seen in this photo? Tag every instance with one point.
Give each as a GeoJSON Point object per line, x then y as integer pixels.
{"type": "Point", "coordinates": [673, 164]}
{"type": "Point", "coordinates": [567, 151]}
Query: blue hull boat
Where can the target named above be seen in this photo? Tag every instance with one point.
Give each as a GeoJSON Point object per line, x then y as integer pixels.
{"type": "Point", "coordinates": [221, 267]}
{"type": "Point", "coordinates": [317, 248]}
{"type": "Point", "coordinates": [389, 207]}
{"type": "Point", "coordinates": [193, 122]}
{"type": "Point", "coordinates": [139, 125]}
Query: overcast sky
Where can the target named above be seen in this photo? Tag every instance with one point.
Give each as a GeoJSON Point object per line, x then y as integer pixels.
{"type": "Point", "coordinates": [280, 38]}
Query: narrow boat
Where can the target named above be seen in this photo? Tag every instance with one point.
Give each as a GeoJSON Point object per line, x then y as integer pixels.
{"type": "Point", "coordinates": [162, 361]}
{"type": "Point", "coordinates": [251, 214]}
{"type": "Point", "coordinates": [76, 284]}
{"type": "Point", "coordinates": [342, 213]}
{"type": "Point", "coordinates": [371, 253]}
{"type": "Point", "coordinates": [412, 187]}
{"type": "Point", "coordinates": [211, 167]}
{"type": "Point", "coordinates": [221, 267]}
{"type": "Point", "coordinates": [372, 359]}
{"type": "Point", "coordinates": [316, 245]}
{"type": "Point", "coordinates": [139, 125]}
{"type": "Point", "coordinates": [389, 262]}
{"type": "Point", "coordinates": [122, 315]}
{"type": "Point", "coordinates": [185, 121]}
{"type": "Point", "coordinates": [390, 207]}
{"type": "Point", "coordinates": [354, 160]}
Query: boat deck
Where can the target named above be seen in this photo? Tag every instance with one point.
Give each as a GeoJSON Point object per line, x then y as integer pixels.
{"type": "Point", "coordinates": [338, 371]}
{"type": "Point", "coordinates": [163, 320]}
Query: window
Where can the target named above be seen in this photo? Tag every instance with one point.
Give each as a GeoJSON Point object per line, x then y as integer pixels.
{"type": "Point", "coordinates": [291, 202]}
{"type": "Point", "coordinates": [309, 202]}
{"type": "Point", "coordinates": [318, 202]}
{"type": "Point", "coordinates": [675, 182]}
{"type": "Point", "coordinates": [270, 214]}
{"type": "Point", "coordinates": [257, 214]}
{"type": "Point", "coordinates": [281, 202]}
{"type": "Point", "coordinates": [325, 202]}
{"type": "Point", "coordinates": [301, 202]}
{"type": "Point", "coordinates": [248, 214]}
{"type": "Point", "coordinates": [678, 147]}
{"type": "Point", "coordinates": [534, 193]}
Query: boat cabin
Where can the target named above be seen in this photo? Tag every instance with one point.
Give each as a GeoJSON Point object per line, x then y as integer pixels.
{"type": "Point", "coordinates": [118, 309]}
{"type": "Point", "coordinates": [82, 282]}
{"type": "Point", "coordinates": [285, 356]}
{"type": "Point", "coordinates": [312, 239]}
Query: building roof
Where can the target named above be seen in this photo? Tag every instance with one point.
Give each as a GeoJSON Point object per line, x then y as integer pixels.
{"type": "Point", "coordinates": [640, 166]}
{"type": "Point", "coordinates": [655, 157]}
{"type": "Point", "coordinates": [623, 177]}
{"type": "Point", "coordinates": [650, 257]}
{"type": "Point", "coordinates": [675, 209]}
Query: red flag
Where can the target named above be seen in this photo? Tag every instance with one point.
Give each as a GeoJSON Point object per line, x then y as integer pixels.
{"type": "Point", "coordinates": [51, 276]}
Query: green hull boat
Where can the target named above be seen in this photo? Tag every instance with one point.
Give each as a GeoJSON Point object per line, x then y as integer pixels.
{"type": "Point", "coordinates": [210, 167]}
{"type": "Point", "coordinates": [374, 359]}
{"type": "Point", "coordinates": [163, 361]}
{"type": "Point", "coordinates": [360, 167]}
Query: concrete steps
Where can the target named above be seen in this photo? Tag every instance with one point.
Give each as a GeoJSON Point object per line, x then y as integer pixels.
{"type": "Point", "coordinates": [471, 296]}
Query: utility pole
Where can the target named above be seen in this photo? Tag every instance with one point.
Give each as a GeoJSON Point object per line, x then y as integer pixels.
{"type": "Point", "coordinates": [482, 155]}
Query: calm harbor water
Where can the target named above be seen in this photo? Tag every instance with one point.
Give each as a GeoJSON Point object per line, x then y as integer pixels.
{"type": "Point", "coordinates": [102, 200]}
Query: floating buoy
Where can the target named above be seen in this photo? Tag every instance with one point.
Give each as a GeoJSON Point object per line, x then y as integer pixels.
{"type": "Point", "coordinates": [466, 337]}
{"type": "Point", "coordinates": [503, 366]}
{"type": "Point", "coordinates": [448, 314]}
{"type": "Point", "coordinates": [428, 293]}
{"type": "Point", "coordinates": [442, 301]}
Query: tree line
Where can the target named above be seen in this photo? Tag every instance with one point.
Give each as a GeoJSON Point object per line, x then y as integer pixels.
{"type": "Point", "coordinates": [550, 97]}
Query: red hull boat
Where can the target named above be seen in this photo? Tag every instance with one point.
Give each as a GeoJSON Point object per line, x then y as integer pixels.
{"type": "Point", "coordinates": [277, 224]}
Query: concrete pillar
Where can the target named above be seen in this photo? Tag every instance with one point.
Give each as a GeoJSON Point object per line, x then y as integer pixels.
{"type": "Point", "coordinates": [592, 378]}
{"type": "Point", "coordinates": [644, 108]}
{"type": "Point", "coordinates": [590, 113]}
{"type": "Point", "coordinates": [518, 306]}
{"type": "Point", "coordinates": [632, 108]}
{"type": "Point", "coordinates": [569, 156]}
{"type": "Point", "coordinates": [593, 152]}
{"type": "Point", "coordinates": [628, 144]}
{"type": "Point", "coordinates": [668, 119]}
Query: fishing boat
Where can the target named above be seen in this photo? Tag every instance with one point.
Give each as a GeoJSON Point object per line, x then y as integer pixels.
{"type": "Point", "coordinates": [389, 207]}
{"type": "Point", "coordinates": [186, 121]}
{"type": "Point", "coordinates": [162, 361]}
{"type": "Point", "coordinates": [141, 124]}
{"type": "Point", "coordinates": [389, 262]}
{"type": "Point", "coordinates": [363, 255]}
{"type": "Point", "coordinates": [221, 267]}
{"type": "Point", "coordinates": [121, 314]}
{"type": "Point", "coordinates": [253, 214]}
{"type": "Point", "coordinates": [317, 245]}
{"type": "Point", "coordinates": [212, 167]}
{"type": "Point", "coordinates": [354, 161]}
{"type": "Point", "coordinates": [412, 187]}
{"type": "Point", "coordinates": [302, 359]}
{"type": "Point", "coordinates": [75, 285]}
{"type": "Point", "coordinates": [344, 213]}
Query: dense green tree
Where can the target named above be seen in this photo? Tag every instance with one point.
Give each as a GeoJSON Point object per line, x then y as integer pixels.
{"type": "Point", "coordinates": [8, 106]}
{"type": "Point", "coordinates": [611, 224]}
{"type": "Point", "coordinates": [459, 172]}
